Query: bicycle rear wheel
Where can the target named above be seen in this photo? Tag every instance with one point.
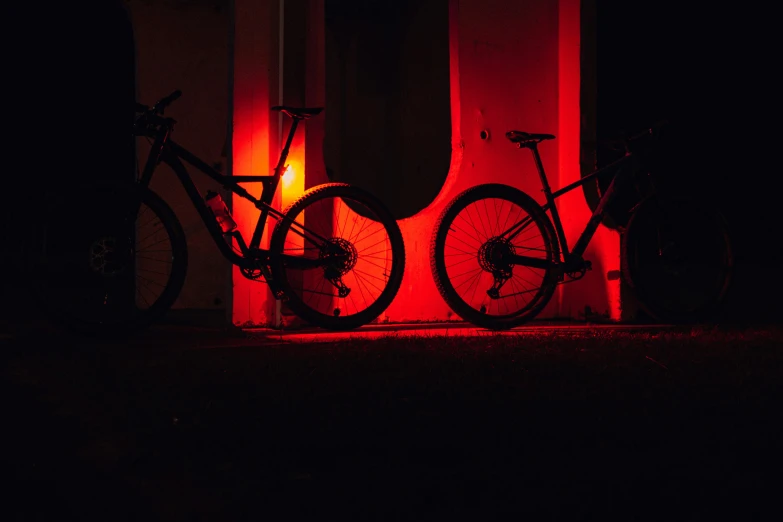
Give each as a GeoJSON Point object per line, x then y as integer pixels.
{"type": "Point", "coordinates": [469, 257]}
{"type": "Point", "coordinates": [108, 259]}
{"type": "Point", "coordinates": [355, 253]}
{"type": "Point", "coordinates": [677, 258]}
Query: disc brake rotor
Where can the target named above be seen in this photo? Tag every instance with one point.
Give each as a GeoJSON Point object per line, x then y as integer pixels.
{"type": "Point", "coordinates": [108, 257]}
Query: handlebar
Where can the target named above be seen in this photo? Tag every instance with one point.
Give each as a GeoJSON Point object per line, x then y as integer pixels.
{"type": "Point", "coordinates": [151, 119]}
{"type": "Point", "coordinates": [650, 130]}
{"type": "Point", "coordinates": [161, 104]}
{"type": "Point", "coordinates": [623, 142]}
{"type": "Point", "coordinates": [165, 102]}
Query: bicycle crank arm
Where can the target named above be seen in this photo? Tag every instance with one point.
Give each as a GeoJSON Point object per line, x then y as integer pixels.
{"type": "Point", "coordinates": [305, 263]}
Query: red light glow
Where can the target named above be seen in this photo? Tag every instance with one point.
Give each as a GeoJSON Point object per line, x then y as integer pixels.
{"type": "Point", "coordinates": [293, 188]}
{"type": "Point", "coordinates": [539, 94]}
{"type": "Point", "coordinates": [288, 177]}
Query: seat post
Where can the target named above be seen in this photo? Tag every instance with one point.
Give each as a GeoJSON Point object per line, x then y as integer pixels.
{"type": "Point", "coordinates": [550, 200]}
{"type": "Point", "coordinates": [540, 167]}
{"type": "Point", "coordinates": [287, 146]}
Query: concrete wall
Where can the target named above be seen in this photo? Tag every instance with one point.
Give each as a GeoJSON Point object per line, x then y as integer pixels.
{"type": "Point", "coordinates": [512, 65]}
{"type": "Point", "coordinates": [185, 45]}
{"type": "Point", "coordinates": [255, 138]}
{"type": "Point", "coordinates": [515, 65]}
{"type": "Point", "coordinates": [388, 117]}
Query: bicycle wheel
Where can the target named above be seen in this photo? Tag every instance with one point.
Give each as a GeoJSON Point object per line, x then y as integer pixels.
{"type": "Point", "coordinates": [676, 256]}
{"type": "Point", "coordinates": [108, 259]}
{"type": "Point", "coordinates": [469, 257]}
{"type": "Point", "coordinates": [355, 252]}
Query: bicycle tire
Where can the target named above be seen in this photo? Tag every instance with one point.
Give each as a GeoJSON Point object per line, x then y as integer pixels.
{"type": "Point", "coordinates": [385, 218]}
{"type": "Point", "coordinates": [658, 278]}
{"type": "Point", "coordinates": [64, 314]}
{"type": "Point", "coordinates": [438, 258]}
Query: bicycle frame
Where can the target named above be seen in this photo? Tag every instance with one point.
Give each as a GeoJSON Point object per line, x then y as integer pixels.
{"type": "Point", "coordinates": [571, 259]}
{"type": "Point", "coordinates": [166, 150]}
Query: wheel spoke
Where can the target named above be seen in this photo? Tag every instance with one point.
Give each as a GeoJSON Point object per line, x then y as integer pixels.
{"type": "Point", "coordinates": [112, 274]}
{"type": "Point", "coordinates": [472, 263]}
{"type": "Point", "coordinates": [359, 260]}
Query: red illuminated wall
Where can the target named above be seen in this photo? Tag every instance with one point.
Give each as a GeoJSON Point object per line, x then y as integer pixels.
{"type": "Point", "coordinates": [254, 134]}
{"type": "Point", "coordinates": [514, 65]}
{"type": "Point", "coordinates": [577, 126]}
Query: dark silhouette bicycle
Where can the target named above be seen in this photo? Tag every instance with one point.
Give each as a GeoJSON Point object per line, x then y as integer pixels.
{"type": "Point", "coordinates": [117, 261]}
{"type": "Point", "coordinates": [497, 257]}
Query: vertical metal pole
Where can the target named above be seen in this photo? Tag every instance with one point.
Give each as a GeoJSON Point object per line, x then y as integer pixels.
{"type": "Point", "coordinates": [280, 58]}
{"type": "Point", "coordinates": [230, 148]}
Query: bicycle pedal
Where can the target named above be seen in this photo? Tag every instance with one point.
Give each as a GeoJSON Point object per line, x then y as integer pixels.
{"type": "Point", "coordinates": [613, 275]}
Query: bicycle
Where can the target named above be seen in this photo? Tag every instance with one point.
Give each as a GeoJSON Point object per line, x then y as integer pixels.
{"type": "Point", "coordinates": [338, 271]}
{"type": "Point", "coordinates": [528, 241]}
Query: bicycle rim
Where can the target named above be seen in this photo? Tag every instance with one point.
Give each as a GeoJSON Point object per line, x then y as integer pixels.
{"type": "Point", "coordinates": [356, 251]}
{"type": "Point", "coordinates": [468, 249]}
{"type": "Point", "coordinates": [111, 264]}
{"type": "Point", "coordinates": [678, 259]}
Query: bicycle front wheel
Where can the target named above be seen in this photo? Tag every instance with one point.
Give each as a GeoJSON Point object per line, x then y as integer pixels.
{"type": "Point", "coordinates": [338, 256]}
{"type": "Point", "coordinates": [677, 258]}
{"type": "Point", "coordinates": [472, 259]}
{"type": "Point", "coordinates": [108, 259]}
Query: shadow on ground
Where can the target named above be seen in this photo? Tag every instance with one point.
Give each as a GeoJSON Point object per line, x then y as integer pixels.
{"type": "Point", "coordinates": [560, 426]}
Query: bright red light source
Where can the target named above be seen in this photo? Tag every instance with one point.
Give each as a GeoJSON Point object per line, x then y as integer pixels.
{"type": "Point", "coordinates": [288, 176]}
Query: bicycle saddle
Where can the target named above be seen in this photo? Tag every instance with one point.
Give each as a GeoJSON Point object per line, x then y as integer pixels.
{"type": "Point", "coordinates": [301, 113]}
{"type": "Point", "coordinates": [516, 136]}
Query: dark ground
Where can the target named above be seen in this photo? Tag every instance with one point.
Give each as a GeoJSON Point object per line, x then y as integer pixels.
{"type": "Point", "coordinates": [680, 425]}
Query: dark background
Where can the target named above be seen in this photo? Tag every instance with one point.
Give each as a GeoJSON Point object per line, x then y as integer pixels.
{"type": "Point", "coordinates": [708, 71]}
{"type": "Point", "coordinates": [71, 78]}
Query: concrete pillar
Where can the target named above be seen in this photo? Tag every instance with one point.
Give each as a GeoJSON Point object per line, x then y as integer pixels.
{"type": "Point", "coordinates": [511, 66]}
{"type": "Point", "coordinates": [278, 60]}
{"type": "Point", "coordinates": [255, 133]}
